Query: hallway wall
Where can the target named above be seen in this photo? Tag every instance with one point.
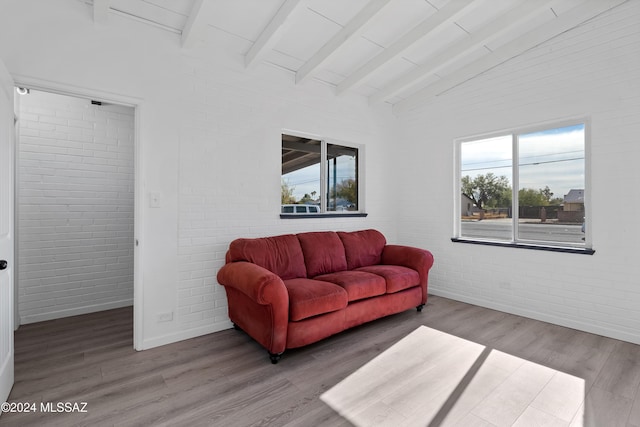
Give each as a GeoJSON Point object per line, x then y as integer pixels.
{"type": "Point", "coordinates": [76, 206]}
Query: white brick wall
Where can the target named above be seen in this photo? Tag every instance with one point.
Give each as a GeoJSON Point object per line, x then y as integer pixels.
{"type": "Point", "coordinates": [229, 174]}
{"type": "Point", "coordinates": [75, 206]}
{"type": "Point", "coordinates": [589, 71]}
{"type": "Point", "coordinates": [210, 142]}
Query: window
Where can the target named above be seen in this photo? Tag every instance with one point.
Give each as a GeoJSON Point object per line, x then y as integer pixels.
{"type": "Point", "coordinates": [525, 188]}
{"type": "Point", "coordinates": [319, 176]}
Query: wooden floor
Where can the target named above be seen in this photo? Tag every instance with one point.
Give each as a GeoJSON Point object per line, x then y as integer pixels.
{"type": "Point", "coordinates": [226, 379]}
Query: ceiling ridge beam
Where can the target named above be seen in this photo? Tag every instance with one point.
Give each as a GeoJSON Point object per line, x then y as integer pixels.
{"type": "Point", "coordinates": [566, 21]}
{"type": "Point", "coordinates": [449, 12]}
{"type": "Point", "coordinates": [101, 10]}
{"type": "Point", "coordinates": [495, 28]}
{"type": "Point", "coordinates": [271, 34]}
{"type": "Point", "coordinates": [195, 25]}
{"type": "Point", "coordinates": [350, 31]}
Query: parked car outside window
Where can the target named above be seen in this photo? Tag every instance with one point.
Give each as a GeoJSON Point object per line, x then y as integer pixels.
{"type": "Point", "coordinates": [300, 209]}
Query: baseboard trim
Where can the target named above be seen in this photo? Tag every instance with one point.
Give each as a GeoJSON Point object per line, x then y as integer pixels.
{"type": "Point", "coordinates": [183, 335]}
{"type": "Point", "coordinates": [543, 317]}
{"type": "Point", "coordinates": [41, 317]}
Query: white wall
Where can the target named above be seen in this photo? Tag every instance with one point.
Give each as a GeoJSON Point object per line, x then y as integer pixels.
{"type": "Point", "coordinates": [590, 71]}
{"type": "Point", "coordinates": [209, 141]}
{"type": "Point", "coordinates": [75, 205]}
{"type": "Point", "coordinates": [209, 134]}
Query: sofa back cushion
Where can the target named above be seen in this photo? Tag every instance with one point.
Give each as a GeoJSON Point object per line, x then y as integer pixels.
{"type": "Point", "coordinates": [362, 248]}
{"type": "Point", "coordinates": [281, 255]}
{"type": "Point", "coordinates": [323, 252]}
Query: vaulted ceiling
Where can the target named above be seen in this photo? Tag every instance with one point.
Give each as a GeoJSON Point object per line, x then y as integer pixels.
{"type": "Point", "coordinates": [401, 52]}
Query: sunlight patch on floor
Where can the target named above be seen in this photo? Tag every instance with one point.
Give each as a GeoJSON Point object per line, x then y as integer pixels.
{"type": "Point", "coordinates": [431, 378]}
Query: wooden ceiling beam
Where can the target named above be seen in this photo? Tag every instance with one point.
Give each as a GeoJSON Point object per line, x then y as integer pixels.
{"type": "Point", "coordinates": [448, 13]}
{"type": "Point", "coordinates": [566, 21]}
{"type": "Point", "coordinates": [271, 34]}
{"type": "Point", "coordinates": [195, 26]}
{"type": "Point", "coordinates": [349, 32]}
{"type": "Point", "coordinates": [507, 21]}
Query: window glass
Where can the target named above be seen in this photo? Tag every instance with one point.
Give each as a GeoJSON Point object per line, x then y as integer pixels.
{"type": "Point", "coordinates": [301, 158]}
{"type": "Point", "coordinates": [551, 185]}
{"type": "Point", "coordinates": [342, 182]}
{"type": "Point", "coordinates": [546, 179]}
{"type": "Point", "coordinates": [486, 170]}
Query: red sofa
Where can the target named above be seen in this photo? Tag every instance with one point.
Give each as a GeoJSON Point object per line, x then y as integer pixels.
{"type": "Point", "coordinates": [292, 290]}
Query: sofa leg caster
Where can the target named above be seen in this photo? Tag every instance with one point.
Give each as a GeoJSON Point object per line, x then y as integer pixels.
{"type": "Point", "coordinates": [275, 357]}
{"type": "Point", "coordinates": [236, 327]}
{"type": "Point", "coordinates": [420, 307]}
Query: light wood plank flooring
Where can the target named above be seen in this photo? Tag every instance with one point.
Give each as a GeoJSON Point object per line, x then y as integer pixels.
{"type": "Point", "coordinates": [226, 379]}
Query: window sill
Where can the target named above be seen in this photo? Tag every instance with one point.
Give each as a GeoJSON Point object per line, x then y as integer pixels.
{"type": "Point", "coordinates": [565, 249]}
{"type": "Point", "coordinates": [324, 215]}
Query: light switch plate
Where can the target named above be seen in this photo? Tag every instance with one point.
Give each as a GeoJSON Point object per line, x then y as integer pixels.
{"type": "Point", "coordinates": [154, 199]}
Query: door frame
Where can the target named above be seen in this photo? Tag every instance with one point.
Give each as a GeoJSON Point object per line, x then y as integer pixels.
{"type": "Point", "coordinates": [137, 105]}
{"type": "Point", "coordinates": [7, 364]}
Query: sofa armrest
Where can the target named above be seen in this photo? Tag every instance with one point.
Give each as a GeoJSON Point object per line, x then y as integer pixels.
{"type": "Point", "coordinates": [258, 303]}
{"type": "Point", "coordinates": [417, 259]}
{"type": "Point", "coordinates": [259, 284]}
{"type": "Point", "coordinates": [407, 256]}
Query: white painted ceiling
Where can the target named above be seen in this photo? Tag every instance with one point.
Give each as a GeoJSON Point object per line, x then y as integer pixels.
{"type": "Point", "coordinates": [401, 52]}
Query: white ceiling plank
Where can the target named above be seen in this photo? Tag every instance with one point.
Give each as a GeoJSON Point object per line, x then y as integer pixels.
{"type": "Point", "coordinates": [100, 10]}
{"type": "Point", "coordinates": [484, 35]}
{"type": "Point", "coordinates": [444, 15]}
{"type": "Point", "coordinates": [153, 12]}
{"type": "Point", "coordinates": [562, 23]}
{"type": "Point", "coordinates": [271, 33]}
{"type": "Point", "coordinates": [195, 25]}
{"type": "Point", "coordinates": [351, 30]}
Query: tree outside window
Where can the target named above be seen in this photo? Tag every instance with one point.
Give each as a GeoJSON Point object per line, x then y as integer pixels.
{"type": "Point", "coordinates": [519, 187]}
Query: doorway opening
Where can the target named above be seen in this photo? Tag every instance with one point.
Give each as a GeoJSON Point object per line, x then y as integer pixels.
{"type": "Point", "coordinates": [75, 205]}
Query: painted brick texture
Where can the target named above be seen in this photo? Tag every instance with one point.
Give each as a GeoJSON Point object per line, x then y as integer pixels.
{"type": "Point", "coordinates": [210, 146]}
{"type": "Point", "coordinates": [75, 206]}
{"type": "Point", "coordinates": [229, 175]}
{"type": "Point", "coordinates": [590, 71]}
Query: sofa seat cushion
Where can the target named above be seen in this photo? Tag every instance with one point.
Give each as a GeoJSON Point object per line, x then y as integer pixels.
{"type": "Point", "coordinates": [308, 297]}
{"type": "Point", "coordinates": [397, 277]}
{"type": "Point", "coordinates": [358, 284]}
